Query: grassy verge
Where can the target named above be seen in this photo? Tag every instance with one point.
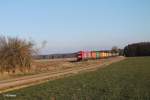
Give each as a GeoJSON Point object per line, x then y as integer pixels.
{"type": "Point", "coordinates": [125, 80]}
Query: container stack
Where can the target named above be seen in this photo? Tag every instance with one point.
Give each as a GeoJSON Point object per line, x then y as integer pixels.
{"type": "Point", "coordinates": [85, 55]}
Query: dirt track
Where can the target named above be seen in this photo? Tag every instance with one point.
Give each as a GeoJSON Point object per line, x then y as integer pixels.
{"type": "Point", "coordinates": [25, 81]}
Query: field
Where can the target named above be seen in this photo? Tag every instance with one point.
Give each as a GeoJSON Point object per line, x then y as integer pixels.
{"type": "Point", "coordinates": [52, 65]}
{"type": "Point", "coordinates": [45, 70]}
{"type": "Point", "coordinates": [125, 80]}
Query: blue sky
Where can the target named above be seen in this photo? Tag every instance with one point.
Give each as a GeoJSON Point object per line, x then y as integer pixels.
{"type": "Point", "coordinates": [73, 25]}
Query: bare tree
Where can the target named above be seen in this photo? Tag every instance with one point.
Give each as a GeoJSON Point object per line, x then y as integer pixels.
{"type": "Point", "coordinates": [115, 49]}
{"type": "Point", "coordinates": [15, 54]}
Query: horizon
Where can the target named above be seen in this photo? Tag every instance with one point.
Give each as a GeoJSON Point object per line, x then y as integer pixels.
{"type": "Point", "coordinates": [70, 26]}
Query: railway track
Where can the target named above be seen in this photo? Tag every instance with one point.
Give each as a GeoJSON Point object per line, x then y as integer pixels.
{"type": "Point", "coordinates": [17, 83]}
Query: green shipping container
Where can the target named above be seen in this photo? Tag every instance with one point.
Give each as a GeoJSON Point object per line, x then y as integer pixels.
{"type": "Point", "coordinates": [97, 55]}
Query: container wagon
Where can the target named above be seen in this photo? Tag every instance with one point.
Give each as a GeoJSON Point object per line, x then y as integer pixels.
{"type": "Point", "coordinates": [85, 55]}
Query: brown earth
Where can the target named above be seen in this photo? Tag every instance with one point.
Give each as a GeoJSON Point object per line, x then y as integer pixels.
{"type": "Point", "coordinates": [44, 70]}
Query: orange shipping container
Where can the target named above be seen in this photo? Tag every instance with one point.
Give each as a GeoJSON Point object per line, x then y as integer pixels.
{"type": "Point", "coordinates": [89, 54]}
{"type": "Point", "coordinates": [93, 54]}
{"type": "Point", "coordinates": [107, 54]}
{"type": "Point", "coordinates": [102, 54]}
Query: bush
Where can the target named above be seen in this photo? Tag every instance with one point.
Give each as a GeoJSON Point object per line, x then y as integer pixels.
{"type": "Point", "coordinates": [15, 54]}
{"type": "Point", "coordinates": [137, 49]}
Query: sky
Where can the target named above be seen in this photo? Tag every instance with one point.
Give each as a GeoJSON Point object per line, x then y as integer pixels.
{"type": "Point", "coordinates": [74, 25]}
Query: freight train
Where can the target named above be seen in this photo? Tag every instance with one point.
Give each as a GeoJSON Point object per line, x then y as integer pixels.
{"type": "Point", "coordinates": [85, 55]}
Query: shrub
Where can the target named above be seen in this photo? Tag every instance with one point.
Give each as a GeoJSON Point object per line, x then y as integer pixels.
{"type": "Point", "coordinates": [15, 54]}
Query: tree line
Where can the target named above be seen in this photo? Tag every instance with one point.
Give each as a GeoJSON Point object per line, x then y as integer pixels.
{"type": "Point", "coordinates": [137, 49]}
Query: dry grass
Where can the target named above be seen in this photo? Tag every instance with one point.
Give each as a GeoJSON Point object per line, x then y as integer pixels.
{"type": "Point", "coordinates": [54, 65]}
{"type": "Point", "coordinates": [41, 66]}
